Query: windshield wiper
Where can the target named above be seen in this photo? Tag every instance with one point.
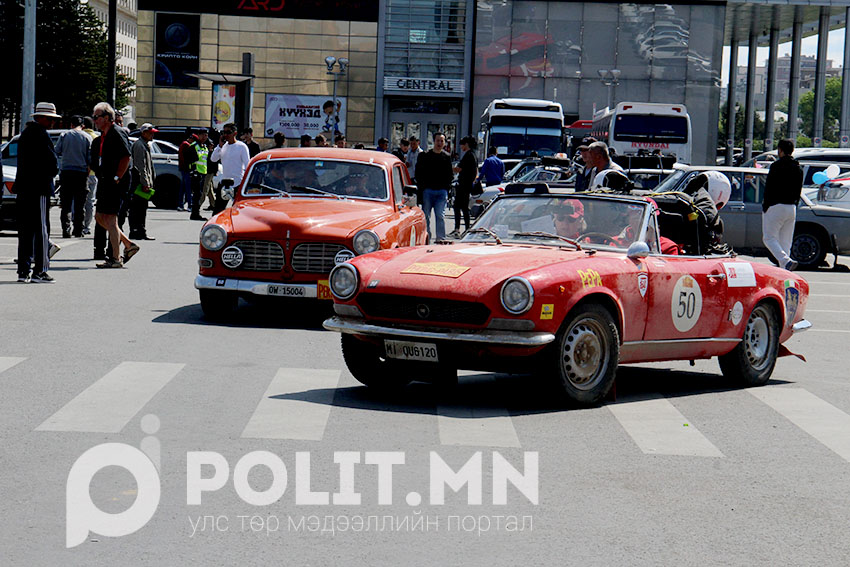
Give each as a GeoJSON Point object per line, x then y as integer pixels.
{"type": "Point", "coordinates": [269, 188]}
{"type": "Point", "coordinates": [314, 190]}
{"type": "Point", "coordinates": [542, 234]}
{"type": "Point", "coordinates": [487, 231]}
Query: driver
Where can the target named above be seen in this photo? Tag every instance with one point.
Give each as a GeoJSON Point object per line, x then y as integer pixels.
{"type": "Point", "coordinates": [299, 174]}
{"type": "Point", "coordinates": [568, 217]}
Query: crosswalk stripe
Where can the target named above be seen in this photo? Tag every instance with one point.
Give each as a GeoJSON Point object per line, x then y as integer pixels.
{"type": "Point", "coordinates": [110, 403]}
{"type": "Point", "coordinates": [818, 418]}
{"type": "Point", "coordinates": [477, 427]}
{"type": "Point", "coordinates": [659, 428]}
{"type": "Point", "coordinates": [278, 416]}
{"type": "Point", "coordinates": [7, 362]}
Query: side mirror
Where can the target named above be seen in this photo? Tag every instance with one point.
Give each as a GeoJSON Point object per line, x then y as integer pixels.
{"type": "Point", "coordinates": [409, 190]}
{"type": "Point", "coordinates": [227, 190]}
{"type": "Point", "coordinates": [638, 249]}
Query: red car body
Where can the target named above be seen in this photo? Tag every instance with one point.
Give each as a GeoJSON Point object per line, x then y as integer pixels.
{"type": "Point", "coordinates": [287, 242]}
{"type": "Point", "coordinates": [664, 307]}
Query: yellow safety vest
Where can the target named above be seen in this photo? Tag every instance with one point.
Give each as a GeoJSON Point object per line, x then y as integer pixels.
{"type": "Point", "coordinates": [203, 153]}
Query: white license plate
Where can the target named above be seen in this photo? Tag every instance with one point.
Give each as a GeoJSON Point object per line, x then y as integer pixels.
{"type": "Point", "coordinates": [404, 350]}
{"type": "Point", "coordinates": [286, 290]}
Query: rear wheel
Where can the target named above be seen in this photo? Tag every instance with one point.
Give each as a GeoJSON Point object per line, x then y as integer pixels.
{"type": "Point", "coordinates": [587, 351]}
{"type": "Point", "coordinates": [808, 248]}
{"type": "Point", "coordinates": [368, 364]}
{"type": "Point", "coordinates": [218, 305]}
{"type": "Point", "coordinates": [753, 360]}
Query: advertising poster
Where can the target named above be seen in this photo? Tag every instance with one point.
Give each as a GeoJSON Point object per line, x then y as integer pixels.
{"type": "Point", "coordinates": [177, 50]}
{"type": "Point", "coordinates": [296, 115]}
{"type": "Point", "coordinates": [223, 105]}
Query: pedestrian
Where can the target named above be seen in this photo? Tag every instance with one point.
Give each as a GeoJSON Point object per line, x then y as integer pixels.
{"type": "Point", "coordinates": [248, 138]}
{"type": "Point", "coordinates": [279, 140]}
{"type": "Point", "coordinates": [321, 141]}
{"type": "Point", "coordinates": [383, 145]}
{"type": "Point", "coordinates": [434, 177]}
{"type": "Point", "coordinates": [339, 141]}
{"type": "Point", "coordinates": [586, 173]}
{"type": "Point", "coordinates": [401, 151]}
{"type": "Point", "coordinates": [185, 197]}
{"type": "Point", "coordinates": [37, 166]}
{"type": "Point", "coordinates": [467, 171]}
{"type": "Point", "coordinates": [119, 121]}
{"type": "Point", "coordinates": [208, 187]}
{"type": "Point", "coordinates": [306, 140]}
{"type": "Point", "coordinates": [232, 154]}
{"type": "Point", "coordinates": [359, 146]}
{"type": "Point", "coordinates": [141, 182]}
{"type": "Point", "coordinates": [413, 156]}
{"type": "Point", "coordinates": [74, 147]}
{"type": "Point", "coordinates": [88, 128]}
{"type": "Point", "coordinates": [198, 155]}
{"type": "Point", "coordinates": [492, 170]}
{"type": "Point", "coordinates": [781, 195]}
{"type": "Point", "coordinates": [113, 180]}
{"type": "Point", "coordinates": [600, 159]}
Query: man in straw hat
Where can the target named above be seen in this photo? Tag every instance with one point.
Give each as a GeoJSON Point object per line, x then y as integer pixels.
{"type": "Point", "coordinates": [37, 166]}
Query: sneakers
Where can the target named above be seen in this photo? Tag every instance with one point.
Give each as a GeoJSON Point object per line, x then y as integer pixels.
{"type": "Point", "coordinates": [23, 278]}
{"type": "Point", "coordinates": [43, 277]}
{"type": "Point", "coordinates": [111, 263]}
{"type": "Point", "coordinates": [791, 265]}
{"type": "Point", "coordinates": [130, 252]}
{"type": "Point", "coordinates": [53, 250]}
{"type": "Point", "coordinates": [86, 231]}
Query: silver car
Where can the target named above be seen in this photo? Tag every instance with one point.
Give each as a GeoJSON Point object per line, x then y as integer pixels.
{"type": "Point", "coordinates": [820, 229]}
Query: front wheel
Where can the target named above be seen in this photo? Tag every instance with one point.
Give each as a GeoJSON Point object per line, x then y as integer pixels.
{"type": "Point", "coordinates": [809, 249]}
{"type": "Point", "coordinates": [218, 305]}
{"type": "Point", "coordinates": [368, 364]}
{"type": "Point", "coordinates": [587, 351]}
{"type": "Point", "coordinates": [753, 359]}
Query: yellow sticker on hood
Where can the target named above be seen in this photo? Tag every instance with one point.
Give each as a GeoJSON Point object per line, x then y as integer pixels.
{"type": "Point", "coordinates": [445, 269]}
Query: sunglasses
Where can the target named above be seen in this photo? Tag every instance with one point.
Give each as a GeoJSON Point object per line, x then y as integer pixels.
{"type": "Point", "coordinates": [565, 218]}
{"type": "Point", "coordinates": [227, 132]}
{"type": "Point", "coordinates": [96, 116]}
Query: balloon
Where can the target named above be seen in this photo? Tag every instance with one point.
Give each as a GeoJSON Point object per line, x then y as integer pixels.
{"type": "Point", "coordinates": [820, 177]}
{"type": "Point", "coordinates": [833, 171]}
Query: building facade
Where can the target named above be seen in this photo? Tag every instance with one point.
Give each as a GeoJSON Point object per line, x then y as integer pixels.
{"type": "Point", "coordinates": [126, 33]}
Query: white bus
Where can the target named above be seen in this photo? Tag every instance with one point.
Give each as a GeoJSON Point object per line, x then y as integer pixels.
{"type": "Point", "coordinates": [518, 126]}
{"type": "Point", "coordinates": [634, 126]}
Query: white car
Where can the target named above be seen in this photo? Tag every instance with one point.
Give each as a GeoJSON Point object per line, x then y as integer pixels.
{"type": "Point", "coordinates": [835, 193]}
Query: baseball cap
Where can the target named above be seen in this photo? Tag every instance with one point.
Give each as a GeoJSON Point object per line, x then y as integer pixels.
{"type": "Point", "coordinates": [147, 126]}
{"type": "Point", "coordinates": [585, 143]}
{"type": "Point", "coordinates": [572, 208]}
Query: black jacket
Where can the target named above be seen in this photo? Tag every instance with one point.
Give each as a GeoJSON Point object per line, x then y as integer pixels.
{"type": "Point", "coordinates": [37, 162]}
{"type": "Point", "coordinates": [468, 172]}
{"type": "Point", "coordinates": [784, 183]}
{"type": "Point", "coordinates": [434, 171]}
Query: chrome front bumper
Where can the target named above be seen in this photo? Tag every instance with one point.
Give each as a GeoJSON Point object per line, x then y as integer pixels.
{"type": "Point", "coordinates": [800, 326]}
{"type": "Point", "coordinates": [501, 338]}
{"type": "Point", "coordinates": [254, 287]}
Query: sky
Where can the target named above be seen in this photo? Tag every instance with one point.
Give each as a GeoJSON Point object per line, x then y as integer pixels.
{"type": "Point", "coordinates": [835, 51]}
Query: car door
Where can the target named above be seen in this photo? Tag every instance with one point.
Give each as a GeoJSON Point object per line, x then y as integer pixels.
{"type": "Point", "coordinates": [753, 184]}
{"type": "Point", "coordinates": [407, 229]}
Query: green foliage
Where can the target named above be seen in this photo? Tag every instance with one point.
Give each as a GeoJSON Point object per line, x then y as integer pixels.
{"type": "Point", "coordinates": [831, 110]}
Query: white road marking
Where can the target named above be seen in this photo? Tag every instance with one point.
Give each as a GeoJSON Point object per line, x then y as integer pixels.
{"type": "Point", "coordinates": [828, 330]}
{"type": "Point", "coordinates": [659, 428]}
{"type": "Point", "coordinates": [821, 420]}
{"type": "Point", "coordinates": [827, 295]}
{"type": "Point", "coordinates": [7, 362]}
{"type": "Point", "coordinates": [476, 427]}
{"type": "Point", "coordinates": [277, 417]}
{"type": "Point", "coordinates": [110, 403]}
{"type": "Point", "coordinates": [824, 311]}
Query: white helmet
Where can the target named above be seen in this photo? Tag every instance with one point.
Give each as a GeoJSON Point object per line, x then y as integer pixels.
{"type": "Point", "coordinates": [719, 188]}
{"type": "Point", "coordinates": [612, 179]}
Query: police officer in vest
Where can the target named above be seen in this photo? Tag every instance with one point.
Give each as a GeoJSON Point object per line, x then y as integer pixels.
{"type": "Point", "coordinates": [198, 169]}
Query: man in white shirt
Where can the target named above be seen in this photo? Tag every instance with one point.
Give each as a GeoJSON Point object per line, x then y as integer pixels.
{"type": "Point", "coordinates": [601, 161]}
{"type": "Point", "coordinates": [232, 154]}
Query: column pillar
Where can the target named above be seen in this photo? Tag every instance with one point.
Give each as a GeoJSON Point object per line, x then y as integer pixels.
{"type": "Point", "coordinates": [820, 77]}
{"type": "Point", "coordinates": [730, 101]}
{"type": "Point", "coordinates": [844, 132]}
{"type": "Point", "coordinates": [794, 79]}
{"type": "Point", "coordinates": [770, 95]}
{"type": "Point", "coordinates": [750, 109]}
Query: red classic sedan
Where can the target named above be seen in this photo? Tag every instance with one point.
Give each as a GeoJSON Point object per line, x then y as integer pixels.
{"type": "Point", "coordinates": [298, 213]}
{"type": "Point", "coordinates": [571, 285]}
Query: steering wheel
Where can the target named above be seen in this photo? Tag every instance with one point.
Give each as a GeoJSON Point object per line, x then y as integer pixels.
{"type": "Point", "coordinates": [605, 239]}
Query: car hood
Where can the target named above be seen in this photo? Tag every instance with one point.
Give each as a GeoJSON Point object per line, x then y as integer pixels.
{"type": "Point", "coordinates": [824, 210]}
{"type": "Point", "coordinates": [458, 269]}
{"type": "Point", "coordinates": [311, 217]}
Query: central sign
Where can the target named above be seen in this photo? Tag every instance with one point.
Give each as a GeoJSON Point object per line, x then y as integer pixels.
{"type": "Point", "coordinates": [425, 85]}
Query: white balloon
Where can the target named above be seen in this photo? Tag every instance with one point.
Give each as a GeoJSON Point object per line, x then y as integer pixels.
{"type": "Point", "coordinates": [832, 171]}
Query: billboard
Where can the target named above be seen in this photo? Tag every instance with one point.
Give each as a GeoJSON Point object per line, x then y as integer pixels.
{"type": "Point", "coordinates": [224, 105]}
{"type": "Point", "coordinates": [338, 10]}
{"type": "Point", "coordinates": [177, 50]}
{"type": "Point", "coordinates": [295, 115]}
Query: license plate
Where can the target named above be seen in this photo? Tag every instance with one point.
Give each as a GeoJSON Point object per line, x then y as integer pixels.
{"type": "Point", "coordinates": [286, 290]}
{"type": "Point", "coordinates": [404, 350]}
{"type": "Point", "coordinates": [323, 290]}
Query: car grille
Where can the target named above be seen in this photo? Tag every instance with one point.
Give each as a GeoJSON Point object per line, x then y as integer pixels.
{"type": "Point", "coordinates": [261, 255]}
{"type": "Point", "coordinates": [423, 309]}
{"type": "Point", "coordinates": [315, 257]}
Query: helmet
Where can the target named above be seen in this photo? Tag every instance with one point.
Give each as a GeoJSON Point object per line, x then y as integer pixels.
{"type": "Point", "coordinates": [612, 179]}
{"type": "Point", "coordinates": [719, 188]}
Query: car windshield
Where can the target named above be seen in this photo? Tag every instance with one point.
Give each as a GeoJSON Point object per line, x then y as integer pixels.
{"type": "Point", "coordinates": [591, 221]}
{"type": "Point", "coordinates": [671, 182]}
{"type": "Point", "coordinates": [316, 178]}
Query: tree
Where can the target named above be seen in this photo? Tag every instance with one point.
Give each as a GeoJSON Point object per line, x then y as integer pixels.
{"type": "Point", "coordinates": [71, 61]}
{"type": "Point", "coordinates": [831, 110]}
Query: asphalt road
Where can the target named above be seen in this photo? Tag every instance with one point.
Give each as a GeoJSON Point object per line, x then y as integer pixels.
{"type": "Point", "coordinates": [683, 468]}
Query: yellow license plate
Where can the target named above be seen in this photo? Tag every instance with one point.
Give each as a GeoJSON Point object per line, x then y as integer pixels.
{"type": "Point", "coordinates": [323, 290]}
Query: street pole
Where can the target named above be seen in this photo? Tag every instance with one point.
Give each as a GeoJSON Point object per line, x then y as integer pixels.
{"type": "Point", "coordinates": [335, 116]}
{"type": "Point", "coordinates": [111, 48]}
{"type": "Point", "coordinates": [28, 84]}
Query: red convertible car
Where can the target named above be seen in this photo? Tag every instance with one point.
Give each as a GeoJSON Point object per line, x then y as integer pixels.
{"type": "Point", "coordinates": [569, 284]}
{"type": "Point", "coordinates": [298, 213]}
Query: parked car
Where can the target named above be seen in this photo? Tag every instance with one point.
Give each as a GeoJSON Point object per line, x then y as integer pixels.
{"type": "Point", "coordinates": [558, 172]}
{"type": "Point", "coordinates": [830, 155]}
{"type": "Point", "coordinates": [175, 135]}
{"type": "Point", "coordinates": [819, 229]}
{"type": "Point", "coordinates": [8, 208]}
{"type": "Point", "coordinates": [299, 212]}
{"type": "Point", "coordinates": [514, 295]}
{"type": "Point", "coordinates": [834, 193]}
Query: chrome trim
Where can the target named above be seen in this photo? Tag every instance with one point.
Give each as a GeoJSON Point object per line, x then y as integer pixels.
{"type": "Point", "coordinates": [344, 266]}
{"type": "Point", "coordinates": [347, 310]}
{"type": "Point", "coordinates": [680, 341]}
{"type": "Point", "coordinates": [315, 257]}
{"type": "Point", "coordinates": [527, 285]}
{"type": "Point", "coordinates": [252, 286]}
{"type": "Point", "coordinates": [511, 324]}
{"type": "Point", "coordinates": [800, 326]}
{"type": "Point", "coordinates": [509, 338]}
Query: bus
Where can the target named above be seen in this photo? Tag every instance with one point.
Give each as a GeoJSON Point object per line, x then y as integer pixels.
{"type": "Point", "coordinates": [518, 126]}
{"type": "Point", "coordinates": [634, 126]}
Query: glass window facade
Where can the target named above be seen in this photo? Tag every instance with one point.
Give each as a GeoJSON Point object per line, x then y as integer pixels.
{"type": "Point", "coordinates": [554, 50]}
{"type": "Point", "coordinates": [425, 38]}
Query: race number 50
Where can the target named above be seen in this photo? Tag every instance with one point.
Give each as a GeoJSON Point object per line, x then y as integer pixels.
{"type": "Point", "coordinates": [686, 305]}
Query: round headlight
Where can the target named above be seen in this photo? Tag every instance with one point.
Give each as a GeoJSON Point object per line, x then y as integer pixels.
{"type": "Point", "coordinates": [517, 296]}
{"type": "Point", "coordinates": [213, 237]}
{"type": "Point", "coordinates": [344, 280]}
{"type": "Point", "coordinates": [366, 241]}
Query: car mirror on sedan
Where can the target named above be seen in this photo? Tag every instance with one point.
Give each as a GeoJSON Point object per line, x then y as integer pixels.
{"type": "Point", "coordinates": [409, 190]}
{"type": "Point", "coordinates": [638, 249]}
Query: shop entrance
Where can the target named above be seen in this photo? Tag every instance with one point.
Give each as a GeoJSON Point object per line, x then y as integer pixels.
{"type": "Point", "coordinates": [423, 126]}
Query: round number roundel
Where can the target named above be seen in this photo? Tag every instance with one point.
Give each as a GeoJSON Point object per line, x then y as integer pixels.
{"type": "Point", "coordinates": [686, 304]}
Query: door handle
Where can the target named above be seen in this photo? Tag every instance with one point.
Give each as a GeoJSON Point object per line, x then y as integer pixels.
{"type": "Point", "coordinates": [720, 277]}
{"type": "Point", "coordinates": [737, 207]}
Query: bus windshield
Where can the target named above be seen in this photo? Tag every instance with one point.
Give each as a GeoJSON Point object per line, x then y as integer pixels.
{"type": "Point", "coordinates": [651, 128]}
{"type": "Point", "coordinates": [521, 144]}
